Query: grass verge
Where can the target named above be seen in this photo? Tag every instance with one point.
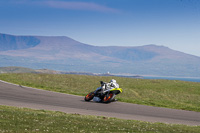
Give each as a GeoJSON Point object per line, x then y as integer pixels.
{"type": "Point", "coordinates": [21, 120]}
{"type": "Point", "coordinates": [161, 93]}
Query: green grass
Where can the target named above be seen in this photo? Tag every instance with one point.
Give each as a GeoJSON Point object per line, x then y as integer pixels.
{"type": "Point", "coordinates": [161, 93]}
{"type": "Point", "coordinates": [23, 120]}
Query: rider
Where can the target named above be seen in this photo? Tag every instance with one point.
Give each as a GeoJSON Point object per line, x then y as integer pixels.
{"type": "Point", "coordinates": [112, 84]}
{"type": "Point", "coordinates": [105, 86]}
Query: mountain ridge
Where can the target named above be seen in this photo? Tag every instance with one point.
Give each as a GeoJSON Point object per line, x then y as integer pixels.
{"type": "Point", "coordinates": [64, 53]}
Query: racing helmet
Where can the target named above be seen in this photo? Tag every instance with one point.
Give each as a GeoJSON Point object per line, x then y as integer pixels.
{"type": "Point", "coordinates": [113, 81]}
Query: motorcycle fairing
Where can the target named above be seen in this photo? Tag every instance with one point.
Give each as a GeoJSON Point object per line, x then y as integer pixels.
{"type": "Point", "coordinates": [116, 89]}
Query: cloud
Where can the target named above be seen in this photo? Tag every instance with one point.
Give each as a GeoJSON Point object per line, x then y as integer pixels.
{"type": "Point", "coordinates": [79, 6]}
{"type": "Point", "coordinates": [88, 6]}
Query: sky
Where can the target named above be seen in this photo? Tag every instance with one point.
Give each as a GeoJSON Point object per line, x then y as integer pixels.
{"type": "Point", "coordinates": [171, 23]}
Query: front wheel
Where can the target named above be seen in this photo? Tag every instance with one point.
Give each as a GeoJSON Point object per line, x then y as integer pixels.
{"type": "Point", "coordinates": [108, 98]}
{"type": "Point", "coordinates": [89, 96]}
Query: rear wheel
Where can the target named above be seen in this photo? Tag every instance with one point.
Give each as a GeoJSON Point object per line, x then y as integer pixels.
{"type": "Point", "coordinates": [108, 98]}
{"type": "Point", "coordinates": [89, 96]}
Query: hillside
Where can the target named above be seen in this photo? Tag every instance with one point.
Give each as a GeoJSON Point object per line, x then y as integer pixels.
{"type": "Point", "coordinates": [65, 54]}
{"type": "Point", "coordinates": [16, 70]}
{"type": "Point", "coordinates": [9, 42]}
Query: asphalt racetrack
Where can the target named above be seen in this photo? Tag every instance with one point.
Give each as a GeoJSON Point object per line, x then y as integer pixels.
{"type": "Point", "coordinates": [20, 96]}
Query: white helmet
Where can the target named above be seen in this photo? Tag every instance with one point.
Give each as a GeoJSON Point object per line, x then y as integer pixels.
{"type": "Point", "coordinates": [113, 81]}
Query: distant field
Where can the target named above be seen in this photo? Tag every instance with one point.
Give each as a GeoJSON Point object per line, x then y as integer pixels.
{"type": "Point", "coordinates": [161, 93]}
{"type": "Point", "coordinates": [23, 120]}
{"type": "Point", "coordinates": [16, 70]}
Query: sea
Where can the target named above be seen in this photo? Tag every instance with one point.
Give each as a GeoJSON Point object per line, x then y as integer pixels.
{"type": "Point", "coordinates": [191, 79]}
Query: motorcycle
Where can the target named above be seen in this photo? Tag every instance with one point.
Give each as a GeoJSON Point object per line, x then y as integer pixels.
{"type": "Point", "coordinates": [102, 94]}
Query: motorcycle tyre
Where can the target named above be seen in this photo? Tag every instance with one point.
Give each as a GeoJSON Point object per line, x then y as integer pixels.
{"type": "Point", "coordinates": [108, 98]}
{"type": "Point", "coordinates": [89, 96]}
